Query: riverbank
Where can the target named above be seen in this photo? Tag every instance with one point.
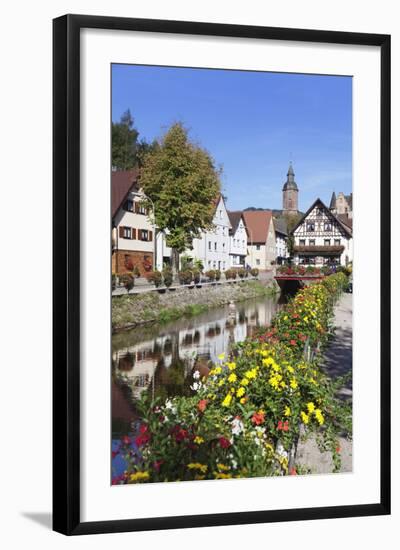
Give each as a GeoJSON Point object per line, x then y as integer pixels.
{"type": "Point", "coordinates": [131, 310]}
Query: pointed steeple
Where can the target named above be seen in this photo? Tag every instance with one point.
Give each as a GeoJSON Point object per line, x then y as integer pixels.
{"type": "Point", "coordinates": [332, 204]}
{"type": "Point", "coordinates": [290, 183]}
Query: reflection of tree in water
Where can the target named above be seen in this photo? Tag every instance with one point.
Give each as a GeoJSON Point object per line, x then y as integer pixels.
{"type": "Point", "coordinates": [173, 380]}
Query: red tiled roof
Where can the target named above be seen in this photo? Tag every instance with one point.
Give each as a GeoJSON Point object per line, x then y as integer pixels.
{"type": "Point", "coordinates": [257, 223]}
{"type": "Point", "coordinates": [121, 183]}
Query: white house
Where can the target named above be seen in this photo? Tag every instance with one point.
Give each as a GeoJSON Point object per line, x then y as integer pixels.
{"type": "Point", "coordinates": [132, 229]}
{"type": "Point", "coordinates": [281, 236]}
{"type": "Point", "coordinates": [261, 247]}
{"type": "Point", "coordinates": [212, 248]}
{"type": "Point", "coordinates": [237, 240]}
{"type": "Point", "coordinates": [322, 238]}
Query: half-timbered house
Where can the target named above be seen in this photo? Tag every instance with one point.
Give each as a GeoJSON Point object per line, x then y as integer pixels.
{"type": "Point", "coordinates": [238, 240]}
{"type": "Point", "coordinates": [321, 238]}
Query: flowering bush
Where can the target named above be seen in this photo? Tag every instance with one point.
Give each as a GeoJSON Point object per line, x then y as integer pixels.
{"type": "Point", "coordinates": [246, 417]}
{"type": "Point", "coordinates": [155, 277]}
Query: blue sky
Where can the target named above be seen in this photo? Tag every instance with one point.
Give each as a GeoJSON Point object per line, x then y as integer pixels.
{"type": "Point", "coordinates": [252, 123]}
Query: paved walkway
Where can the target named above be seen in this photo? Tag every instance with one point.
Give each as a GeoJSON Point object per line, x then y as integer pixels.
{"type": "Point", "coordinates": [338, 361]}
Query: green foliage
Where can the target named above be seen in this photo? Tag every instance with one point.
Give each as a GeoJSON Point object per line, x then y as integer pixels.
{"type": "Point", "coordinates": [183, 183]}
{"type": "Point", "coordinates": [167, 276]}
{"type": "Point", "coordinates": [124, 143]}
{"type": "Point", "coordinates": [230, 274]}
{"type": "Point", "coordinates": [241, 272]}
{"type": "Point", "coordinates": [254, 272]}
{"type": "Point", "coordinates": [128, 281]}
{"type": "Point", "coordinates": [217, 274]}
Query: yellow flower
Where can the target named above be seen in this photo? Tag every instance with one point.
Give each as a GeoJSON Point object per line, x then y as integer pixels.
{"type": "Point", "coordinates": [221, 382]}
{"type": "Point", "coordinates": [304, 417]}
{"type": "Point", "coordinates": [217, 370]}
{"type": "Point", "coordinates": [197, 466]}
{"type": "Point", "coordinates": [227, 401]}
{"type": "Point", "coordinates": [243, 400]}
{"type": "Point", "coordinates": [139, 476]}
{"type": "Point", "coordinates": [306, 319]}
{"type": "Point", "coordinates": [221, 356]}
{"type": "Point", "coordinates": [290, 369]}
{"type": "Point", "coordinates": [223, 467]}
{"type": "Point", "coordinates": [310, 407]}
{"type": "Point", "coordinates": [319, 416]}
{"type": "Point", "coordinates": [293, 383]}
{"type": "Point", "coordinates": [232, 377]}
{"type": "Point", "coordinates": [231, 366]}
{"type": "Point", "coordinates": [220, 475]}
{"type": "Point", "coordinates": [251, 373]}
{"type": "Point", "coordinates": [273, 382]}
{"type": "Point", "coordinates": [244, 382]}
{"type": "Point", "coordinates": [285, 318]}
{"type": "Point", "coordinates": [287, 411]}
{"type": "Point", "coordinates": [241, 391]}
{"type": "Point", "coordinates": [198, 439]}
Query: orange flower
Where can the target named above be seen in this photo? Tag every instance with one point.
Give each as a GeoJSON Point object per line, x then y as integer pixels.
{"type": "Point", "coordinates": [258, 418]}
{"type": "Point", "coordinates": [202, 404]}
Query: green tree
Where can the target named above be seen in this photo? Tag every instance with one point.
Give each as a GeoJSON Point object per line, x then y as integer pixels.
{"type": "Point", "coordinates": [124, 143]}
{"type": "Point", "coordinates": [291, 222]}
{"type": "Point", "coordinates": [182, 181]}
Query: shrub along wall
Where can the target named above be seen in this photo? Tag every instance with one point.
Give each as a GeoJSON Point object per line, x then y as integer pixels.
{"type": "Point", "coordinates": [246, 417]}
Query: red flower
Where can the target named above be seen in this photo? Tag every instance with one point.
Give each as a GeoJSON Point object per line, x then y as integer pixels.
{"type": "Point", "coordinates": [293, 342]}
{"type": "Point", "coordinates": [225, 443]}
{"type": "Point", "coordinates": [338, 449]}
{"type": "Point", "coordinates": [283, 425]}
{"type": "Point", "coordinates": [202, 404]}
{"type": "Point", "coordinates": [258, 418]}
{"type": "Point", "coordinates": [114, 453]}
{"type": "Point", "coordinates": [142, 439]}
{"type": "Point", "coordinates": [180, 434]}
{"type": "Point", "coordinates": [126, 440]}
{"type": "Point", "coordinates": [293, 472]}
{"type": "Point", "coordinates": [143, 429]}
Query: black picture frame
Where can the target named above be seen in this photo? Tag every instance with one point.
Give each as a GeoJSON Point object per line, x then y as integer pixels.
{"type": "Point", "coordinates": [66, 273]}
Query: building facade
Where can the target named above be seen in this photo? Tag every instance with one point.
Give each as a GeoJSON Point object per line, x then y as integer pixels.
{"type": "Point", "coordinates": [261, 244]}
{"type": "Point", "coordinates": [320, 238]}
{"type": "Point", "coordinates": [237, 240]}
{"type": "Point", "coordinates": [212, 248]}
{"type": "Point", "coordinates": [342, 205]}
{"type": "Point", "coordinates": [132, 229]}
{"type": "Point", "coordinates": [281, 237]}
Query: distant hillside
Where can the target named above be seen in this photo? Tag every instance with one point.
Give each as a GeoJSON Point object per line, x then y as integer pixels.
{"type": "Point", "coordinates": [275, 212]}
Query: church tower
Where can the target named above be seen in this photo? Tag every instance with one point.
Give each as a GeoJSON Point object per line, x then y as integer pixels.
{"type": "Point", "coordinates": [290, 193]}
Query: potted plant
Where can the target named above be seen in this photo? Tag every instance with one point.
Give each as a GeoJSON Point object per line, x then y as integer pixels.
{"type": "Point", "coordinates": [167, 276]}
{"type": "Point", "coordinates": [241, 272]}
{"type": "Point", "coordinates": [211, 275]}
{"type": "Point", "coordinates": [155, 277]}
{"type": "Point", "coordinates": [128, 281]}
{"type": "Point", "coordinates": [254, 272]}
{"type": "Point", "coordinates": [217, 274]}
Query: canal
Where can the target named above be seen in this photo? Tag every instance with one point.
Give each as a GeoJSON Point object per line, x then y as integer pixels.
{"type": "Point", "coordinates": [162, 358]}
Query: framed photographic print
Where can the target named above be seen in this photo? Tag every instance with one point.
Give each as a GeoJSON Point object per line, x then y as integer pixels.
{"type": "Point", "coordinates": [221, 274]}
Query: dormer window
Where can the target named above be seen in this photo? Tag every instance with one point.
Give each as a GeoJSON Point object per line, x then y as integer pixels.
{"type": "Point", "coordinates": [327, 226]}
{"type": "Point", "coordinates": [128, 205]}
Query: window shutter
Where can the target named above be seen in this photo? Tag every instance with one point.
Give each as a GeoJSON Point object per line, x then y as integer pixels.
{"type": "Point", "coordinates": [121, 231]}
{"type": "Point", "coordinates": [139, 234]}
{"type": "Point", "coordinates": [133, 233]}
{"type": "Point", "coordinates": [150, 235]}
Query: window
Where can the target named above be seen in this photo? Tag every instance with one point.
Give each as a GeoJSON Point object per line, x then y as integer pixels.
{"type": "Point", "coordinates": [337, 242]}
{"type": "Point", "coordinates": [209, 245]}
{"type": "Point", "coordinates": [209, 263]}
{"type": "Point", "coordinates": [257, 262]}
{"type": "Point", "coordinates": [311, 242]}
{"type": "Point", "coordinates": [144, 235]}
{"type": "Point", "coordinates": [234, 242]}
{"type": "Point", "coordinates": [141, 209]}
{"type": "Point", "coordinates": [327, 226]}
{"type": "Point", "coordinates": [310, 226]}
{"type": "Point", "coordinates": [258, 247]}
{"type": "Point", "coordinates": [215, 247]}
{"type": "Point", "coordinates": [129, 205]}
{"type": "Point", "coordinates": [223, 247]}
{"type": "Point", "coordinates": [302, 242]}
{"type": "Point", "coordinates": [214, 264]}
{"type": "Point", "coordinates": [127, 233]}
{"type": "Point", "coordinates": [220, 214]}
{"type": "Point", "coordinates": [327, 242]}
{"type": "Point", "coordinates": [319, 212]}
